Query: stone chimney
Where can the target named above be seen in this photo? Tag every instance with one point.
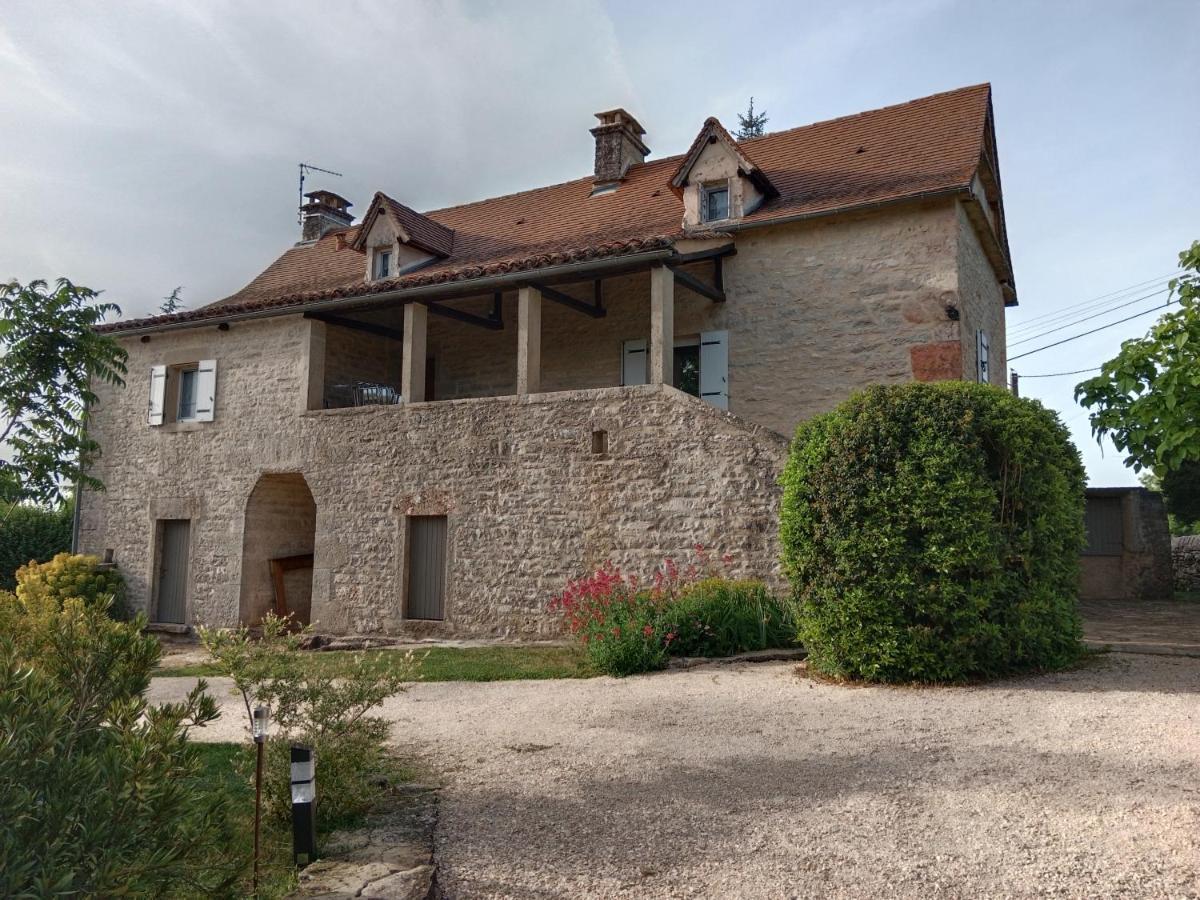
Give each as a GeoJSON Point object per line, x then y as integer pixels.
{"type": "Point", "coordinates": [618, 146]}
{"type": "Point", "coordinates": [324, 212]}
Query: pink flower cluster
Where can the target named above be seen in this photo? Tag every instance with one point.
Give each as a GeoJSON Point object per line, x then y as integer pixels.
{"type": "Point", "coordinates": [592, 603]}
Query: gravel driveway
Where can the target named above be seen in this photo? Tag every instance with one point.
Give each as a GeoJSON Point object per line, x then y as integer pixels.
{"type": "Point", "coordinates": [751, 782]}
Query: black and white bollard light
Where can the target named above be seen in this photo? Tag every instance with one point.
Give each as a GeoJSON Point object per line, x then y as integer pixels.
{"type": "Point", "coordinates": [259, 722]}
{"type": "Point", "coordinates": [304, 799]}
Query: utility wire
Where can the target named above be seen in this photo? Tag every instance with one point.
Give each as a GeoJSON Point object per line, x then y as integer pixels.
{"type": "Point", "coordinates": [1059, 374]}
{"type": "Point", "coordinates": [1109, 303]}
{"type": "Point", "coordinates": [1096, 315]}
{"type": "Point", "coordinates": [1040, 321]}
{"type": "Point", "coordinates": [1093, 331]}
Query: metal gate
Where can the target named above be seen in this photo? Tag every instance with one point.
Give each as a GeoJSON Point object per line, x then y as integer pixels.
{"type": "Point", "coordinates": [173, 571]}
{"type": "Point", "coordinates": [426, 567]}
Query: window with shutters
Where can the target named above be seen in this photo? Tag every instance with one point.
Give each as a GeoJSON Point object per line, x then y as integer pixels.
{"type": "Point", "coordinates": [187, 395]}
{"type": "Point", "coordinates": [183, 393]}
{"type": "Point", "coordinates": [981, 356]}
{"type": "Point", "coordinates": [701, 366]}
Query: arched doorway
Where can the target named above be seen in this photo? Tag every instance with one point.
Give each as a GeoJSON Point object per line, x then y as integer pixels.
{"type": "Point", "coordinates": [277, 549]}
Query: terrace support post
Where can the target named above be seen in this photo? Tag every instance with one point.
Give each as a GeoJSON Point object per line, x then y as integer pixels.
{"type": "Point", "coordinates": [412, 378]}
{"type": "Point", "coordinates": [529, 341]}
{"type": "Point", "coordinates": [662, 325]}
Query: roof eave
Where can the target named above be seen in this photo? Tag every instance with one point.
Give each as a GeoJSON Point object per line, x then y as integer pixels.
{"type": "Point", "coordinates": [449, 290]}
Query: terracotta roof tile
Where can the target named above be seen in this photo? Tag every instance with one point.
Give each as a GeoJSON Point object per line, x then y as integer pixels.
{"type": "Point", "coordinates": [890, 154]}
{"type": "Point", "coordinates": [423, 233]}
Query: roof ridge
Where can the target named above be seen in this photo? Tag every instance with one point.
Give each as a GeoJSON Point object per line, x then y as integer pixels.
{"type": "Point", "coordinates": [679, 156]}
{"type": "Point", "coordinates": [866, 112]}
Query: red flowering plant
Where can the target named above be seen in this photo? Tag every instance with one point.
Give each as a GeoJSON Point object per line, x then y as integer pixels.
{"type": "Point", "coordinates": [632, 626]}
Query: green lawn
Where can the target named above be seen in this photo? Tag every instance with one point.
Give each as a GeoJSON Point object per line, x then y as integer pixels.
{"type": "Point", "coordinates": [497, 663]}
{"type": "Point", "coordinates": [277, 875]}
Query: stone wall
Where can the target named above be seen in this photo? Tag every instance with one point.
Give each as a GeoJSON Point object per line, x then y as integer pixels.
{"type": "Point", "coordinates": [1185, 558]}
{"type": "Point", "coordinates": [528, 502]}
{"type": "Point", "coordinates": [1142, 569]}
{"type": "Point", "coordinates": [981, 303]}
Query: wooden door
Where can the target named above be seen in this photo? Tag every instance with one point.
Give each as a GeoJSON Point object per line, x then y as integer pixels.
{"type": "Point", "coordinates": [173, 571]}
{"type": "Point", "coordinates": [426, 567]}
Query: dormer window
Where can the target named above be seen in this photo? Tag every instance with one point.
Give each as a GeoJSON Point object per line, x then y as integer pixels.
{"type": "Point", "coordinates": [715, 202]}
{"type": "Point", "coordinates": [383, 263]}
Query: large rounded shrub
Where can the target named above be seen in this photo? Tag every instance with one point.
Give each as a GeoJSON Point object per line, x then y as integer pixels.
{"type": "Point", "coordinates": [932, 532]}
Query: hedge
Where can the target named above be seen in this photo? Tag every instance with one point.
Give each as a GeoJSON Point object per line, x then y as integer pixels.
{"type": "Point", "coordinates": [31, 533]}
{"type": "Point", "coordinates": [932, 533]}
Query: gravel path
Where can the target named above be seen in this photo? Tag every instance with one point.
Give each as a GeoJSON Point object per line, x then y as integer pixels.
{"type": "Point", "coordinates": [751, 782]}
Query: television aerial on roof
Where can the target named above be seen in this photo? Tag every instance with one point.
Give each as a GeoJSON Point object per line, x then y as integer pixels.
{"type": "Point", "coordinates": [305, 168]}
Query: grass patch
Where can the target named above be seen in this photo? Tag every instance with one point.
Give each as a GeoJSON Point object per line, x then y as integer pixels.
{"type": "Point", "coordinates": [277, 876]}
{"type": "Point", "coordinates": [496, 663]}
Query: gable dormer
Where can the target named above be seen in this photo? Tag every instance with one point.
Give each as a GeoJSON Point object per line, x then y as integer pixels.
{"type": "Point", "coordinates": [717, 181]}
{"type": "Point", "coordinates": [397, 239]}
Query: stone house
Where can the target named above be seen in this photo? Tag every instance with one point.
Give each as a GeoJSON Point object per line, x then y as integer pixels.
{"type": "Point", "coordinates": [424, 422]}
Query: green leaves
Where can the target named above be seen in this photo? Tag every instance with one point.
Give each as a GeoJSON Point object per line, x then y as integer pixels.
{"type": "Point", "coordinates": [99, 794]}
{"type": "Point", "coordinates": [931, 533]}
{"type": "Point", "coordinates": [1147, 398]}
{"type": "Point", "coordinates": [50, 355]}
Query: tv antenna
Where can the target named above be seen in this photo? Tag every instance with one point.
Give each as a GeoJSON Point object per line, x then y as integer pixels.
{"type": "Point", "coordinates": [305, 168]}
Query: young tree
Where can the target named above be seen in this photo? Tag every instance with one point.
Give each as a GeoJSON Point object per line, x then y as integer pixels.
{"type": "Point", "coordinates": [1147, 397]}
{"type": "Point", "coordinates": [50, 352]}
{"type": "Point", "coordinates": [171, 303]}
{"type": "Point", "coordinates": [752, 124]}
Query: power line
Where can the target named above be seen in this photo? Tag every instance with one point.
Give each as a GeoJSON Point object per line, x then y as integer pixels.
{"type": "Point", "coordinates": [1061, 374]}
{"type": "Point", "coordinates": [1040, 321]}
{"type": "Point", "coordinates": [1093, 331]}
{"type": "Point", "coordinates": [1103, 312]}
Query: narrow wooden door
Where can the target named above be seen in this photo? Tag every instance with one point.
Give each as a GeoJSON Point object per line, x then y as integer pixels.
{"type": "Point", "coordinates": [426, 567]}
{"type": "Point", "coordinates": [173, 571]}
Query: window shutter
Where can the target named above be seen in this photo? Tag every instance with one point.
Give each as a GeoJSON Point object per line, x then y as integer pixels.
{"type": "Point", "coordinates": [714, 368]}
{"type": "Point", "coordinates": [158, 395]}
{"type": "Point", "coordinates": [206, 390]}
{"type": "Point", "coordinates": [633, 362]}
{"type": "Point", "coordinates": [981, 356]}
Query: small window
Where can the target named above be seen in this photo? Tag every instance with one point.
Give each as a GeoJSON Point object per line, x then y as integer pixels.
{"type": "Point", "coordinates": [383, 263]}
{"type": "Point", "coordinates": [189, 382]}
{"type": "Point", "coordinates": [716, 202]}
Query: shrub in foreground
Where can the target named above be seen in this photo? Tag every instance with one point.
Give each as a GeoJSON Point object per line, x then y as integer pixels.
{"type": "Point", "coordinates": [70, 575]}
{"type": "Point", "coordinates": [629, 626]}
{"type": "Point", "coordinates": [100, 793]}
{"type": "Point", "coordinates": [329, 714]}
{"type": "Point", "coordinates": [932, 533]}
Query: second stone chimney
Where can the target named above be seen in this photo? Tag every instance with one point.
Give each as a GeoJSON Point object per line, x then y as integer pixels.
{"type": "Point", "coordinates": [324, 212]}
{"type": "Point", "coordinates": [618, 146]}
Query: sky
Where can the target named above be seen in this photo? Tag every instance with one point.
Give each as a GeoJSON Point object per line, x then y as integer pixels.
{"type": "Point", "coordinates": [154, 145]}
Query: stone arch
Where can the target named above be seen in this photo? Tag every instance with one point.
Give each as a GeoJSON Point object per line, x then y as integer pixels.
{"type": "Point", "coordinates": [278, 539]}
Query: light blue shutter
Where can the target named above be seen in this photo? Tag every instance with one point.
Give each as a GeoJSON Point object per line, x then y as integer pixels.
{"type": "Point", "coordinates": [714, 368]}
{"type": "Point", "coordinates": [633, 362]}
{"type": "Point", "coordinates": [158, 395]}
{"type": "Point", "coordinates": [206, 390]}
{"type": "Point", "coordinates": [981, 356]}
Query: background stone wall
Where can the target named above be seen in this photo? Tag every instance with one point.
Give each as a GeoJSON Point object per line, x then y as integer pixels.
{"type": "Point", "coordinates": [1185, 557]}
{"type": "Point", "coordinates": [1142, 569]}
